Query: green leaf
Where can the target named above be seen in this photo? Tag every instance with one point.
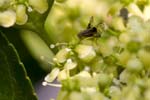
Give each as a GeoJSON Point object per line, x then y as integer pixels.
{"type": "Point", "coordinates": [14, 82]}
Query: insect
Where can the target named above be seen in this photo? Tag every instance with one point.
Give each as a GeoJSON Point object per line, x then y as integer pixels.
{"type": "Point", "coordinates": [124, 13]}
{"type": "Point", "coordinates": [90, 31]}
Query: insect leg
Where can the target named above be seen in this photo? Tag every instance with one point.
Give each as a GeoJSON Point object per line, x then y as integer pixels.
{"type": "Point", "coordinates": [90, 22]}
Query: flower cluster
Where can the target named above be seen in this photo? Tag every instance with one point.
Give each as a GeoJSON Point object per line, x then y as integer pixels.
{"type": "Point", "coordinates": [111, 67]}
{"type": "Point", "coordinates": [16, 11]}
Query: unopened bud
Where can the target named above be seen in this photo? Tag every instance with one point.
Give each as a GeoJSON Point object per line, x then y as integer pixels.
{"type": "Point", "coordinates": [52, 76]}
{"type": "Point", "coordinates": [70, 64]}
{"type": "Point", "coordinates": [21, 15]}
{"type": "Point", "coordinates": [144, 56]}
{"type": "Point", "coordinates": [64, 74]}
{"type": "Point", "coordinates": [85, 52]}
{"type": "Point", "coordinates": [134, 65]}
{"type": "Point", "coordinates": [118, 24]}
{"type": "Point", "coordinates": [7, 18]}
{"type": "Point", "coordinates": [62, 55]}
{"type": "Point", "coordinates": [39, 5]}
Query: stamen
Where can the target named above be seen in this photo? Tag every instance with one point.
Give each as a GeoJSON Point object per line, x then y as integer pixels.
{"type": "Point", "coordinates": [54, 85]}
{"type": "Point", "coordinates": [51, 84]}
{"type": "Point", "coordinates": [44, 83]}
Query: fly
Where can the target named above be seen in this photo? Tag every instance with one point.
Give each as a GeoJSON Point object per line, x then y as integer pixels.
{"type": "Point", "coordinates": [124, 14]}
{"type": "Point", "coordinates": [89, 31]}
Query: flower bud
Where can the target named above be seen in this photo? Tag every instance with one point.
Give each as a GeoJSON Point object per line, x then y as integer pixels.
{"type": "Point", "coordinates": [133, 46]}
{"type": "Point", "coordinates": [21, 15]}
{"type": "Point", "coordinates": [104, 80]}
{"type": "Point", "coordinates": [39, 5]}
{"type": "Point", "coordinates": [7, 18]}
{"type": "Point", "coordinates": [146, 12]}
{"type": "Point", "coordinates": [123, 57]}
{"type": "Point", "coordinates": [135, 10]}
{"type": "Point", "coordinates": [118, 24]}
{"type": "Point", "coordinates": [84, 74]}
{"type": "Point", "coordinates": [62, 55]}
{"type": "Point", "coordinates": [144, 56]}
{"type": "Point", "coordinates": [64, 74]}
{"type": "Point", "coordinates": [85, 53]}
{"type": "Point", "coordinates": [105, 49]}
{"type": "Point", "coordinates": [134, 65]}
{"type": "Point", "coordinates": [124, 76]}
{"type": "Point", "coordinates": [4, 4]}
{"type": "Point", "coordinates": [52, 75]}
{"type": "Point", "coordinates": [146, 94]}
{"type": "Point", "coordinates": [70, 64]}
{"type": "Point", "coordinates": [124, 38]}
{"type": "Point", "coordinates": [76, 96]}
{"type": "Point", "coordinates": [114, 91]}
